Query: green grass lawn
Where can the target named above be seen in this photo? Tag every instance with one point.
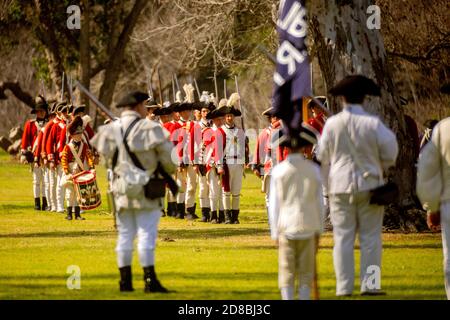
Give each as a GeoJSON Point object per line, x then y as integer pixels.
{"type": "Point", "coordinates": [197, 260]}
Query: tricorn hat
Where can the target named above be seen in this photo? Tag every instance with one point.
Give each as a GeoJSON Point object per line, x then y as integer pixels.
{"type": "Point", "coordinates": [216, 113]}
{"type": "Point", "coordinates": [268, 112]}
{"type": "Point", "coordinates": [165, 110]}
{"type": "Point", "coordinates": [231, 110]}
{"type": "Point", "coordinates": [355, 85]}
{"type": "Point", "coordinates": [304, 136]}
{"type": "Point", "coordinates": [204, 105]}
{"type": "Point", "coordinates": [39, 104]}
{"type": "Point", "coordinates": [61, 106]}
{"type": "Point", "coordinates": [132, 99]}
{"type": "Point", "coordinates": [76, 126]}
{"type": "Point", "coordinates": [78, 109]}
{"type": "Point", "coordinates": [183, 106]}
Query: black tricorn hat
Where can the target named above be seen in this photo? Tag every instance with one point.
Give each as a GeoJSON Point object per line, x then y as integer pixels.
{"type": "Point", "coordinates": [183, 106]}
{"type": "Point", "coordinates": [231, 110]}
{"type": "Point", "coordinates": [202, 105]}
{"type": "Point", "coordinates": [216, 113]}
{"type": "Point", "coordinates": [304, 136]}
{"type": "Point", "coordinates": [76, 126]}
{"type": "Point", "coordinates": [40, 104]}
{"type": "Point", "coordinates": [78, 109]}
{"type": "Point", "coordinates": [165, 110]}
{"type": "Point", "coordinates": [355, 85]}
{"type": "Point", "coordinates": [61, 106]}
{"type": "Point", "coordinates": [132, 99]}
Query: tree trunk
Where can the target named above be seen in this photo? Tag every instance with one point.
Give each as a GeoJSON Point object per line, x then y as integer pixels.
{"type": "Point", "coordinates": [85, 53]}
{"type": "Point", "coordinates": [116, 57]}
{"type": "Point", "coordinates": [344, 45]}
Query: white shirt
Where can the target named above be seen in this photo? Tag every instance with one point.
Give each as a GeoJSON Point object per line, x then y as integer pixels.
{"type": "Point", "coordinates": [375, 144]}
{"type": "Point", "coordinates": [296, 207]}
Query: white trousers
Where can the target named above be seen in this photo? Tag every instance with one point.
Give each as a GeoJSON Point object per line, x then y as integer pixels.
{"type": "Point", "coordinates": [38, 182]}
{"type": "Point", "coordinates": [352, 213]}
{"type": "Point", "coordinates": [71, 196]}
{"type": "Point", "coordinates": [215, 190]}
{"type": "Point", "coordinates": [181, 181]}
{"type": "Point", "coordinates": [445, 231]}
{"type": "Point", "coordinates": [231, 198]}
{"type": "Point", "coordinates": [203, 191]}
{"type": "Point", "coordinates": [60, 190]}
{"type": "Point", "coordinates": [296, 261]}
{"type": "Point", "coordinates": [191, 186]}
{"type": "Point", "coordinates": [46, 174]}
{"type": "Point", "coordinates": [144, 224]}
{"type": "Point", "coordinates": [52, 181]}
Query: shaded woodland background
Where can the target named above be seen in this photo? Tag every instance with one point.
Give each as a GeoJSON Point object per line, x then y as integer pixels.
{"type": "Point", "coordinates": [128, 40]}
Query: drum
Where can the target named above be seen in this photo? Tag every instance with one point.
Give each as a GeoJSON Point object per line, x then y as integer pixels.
{"type": "Point", "coordinates": [88, 194]}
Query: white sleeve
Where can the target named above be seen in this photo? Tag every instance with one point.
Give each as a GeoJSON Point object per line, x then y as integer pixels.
{"type": "Point", "coordinates": [323, 151]}
{"type": "Point", "coordinates": [387, 146]}
{"type": "Point", "coordinates": [273, 205]}
{"type": "Point", "coordinates": [320, 200]}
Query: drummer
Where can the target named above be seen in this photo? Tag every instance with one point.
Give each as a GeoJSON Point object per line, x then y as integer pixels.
{"type": "Point", "coordinates": [73, 159]}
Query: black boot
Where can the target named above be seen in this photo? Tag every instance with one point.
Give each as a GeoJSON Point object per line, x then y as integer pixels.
{"type": "Point", "coordinates": [44, 204]}
{"type": "Point", "coordinates": [221, 216]}
{"type": "Point", "coordinates": [227, 216]}
{"type": "Point", "coordinates": [69, 213]}
{"type": "Point", "coordinates": [205, 214]}
{"type": "Point", "coordinates": [180, 211]}
{"type": "Point", "coordinates": [77, 214]}
{"type": "Point", "coordinates": [234, 216]}
{"type": "Point", "coordinates": [163, 213]}
{"type": "Point", "coordinates": [152, 284]}
{"type": "Point", "coordinates": [191, 213]}
{"type": "Point", "coordinates": [214, 219]}
{"type": "Point", "coordinates": [37, 203]}
{"type": "Point", "coordinates": [125, 282]}
{"type": "Point", "coordinates": [171, 209]}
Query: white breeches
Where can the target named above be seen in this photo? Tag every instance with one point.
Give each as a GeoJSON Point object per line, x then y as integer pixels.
{"type": "Point", "coordinates": [144, 224]}
{"type": "Point", "coordinates": [351, 214]}
{"type": "Point", "coordinates": [203, 191]}
{"type": "Point", "coordinates": [181, 181]}
{"type": "Point", "coordinates": [46, 174]}
{"type": "Point", "coordinates": [52, 173]}
{"type": "Point", "coordinates": [445, 230]}
{"type": "Point", "coordinates": [191, 184]}
{"type": "Point", "coordinates": [71, 196]}
{"type": "Point", "coordinates": [60, 190]}
{"type": "Point", "coordinates": [38, 182]}
{"type": "Point", "coordinates": [215, 190]}
{"type": "Point", "coordinates": [231, 198]}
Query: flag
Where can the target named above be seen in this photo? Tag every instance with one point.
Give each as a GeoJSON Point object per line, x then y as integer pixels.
{"type": "Point", "coordinates": [292, 77]}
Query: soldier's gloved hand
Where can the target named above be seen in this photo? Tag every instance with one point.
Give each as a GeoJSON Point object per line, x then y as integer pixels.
{"type": "Point", "coordinates": [36, 164]}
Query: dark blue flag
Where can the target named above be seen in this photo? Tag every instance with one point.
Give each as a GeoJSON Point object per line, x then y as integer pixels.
{"type": "Point", "coordinates": [292, 76]}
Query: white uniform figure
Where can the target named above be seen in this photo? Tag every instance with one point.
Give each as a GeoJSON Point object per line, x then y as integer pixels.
{"type": "Point", "coordinates": [231, 164]}
{"type": "Point", "coordinates": [136, 214]}
{"type": "Point", "coordinates": [296, 217]}
{"type": "Point", "coordinates": [349, 186]}
{"type": "Point", "coordinates": [433, 187]}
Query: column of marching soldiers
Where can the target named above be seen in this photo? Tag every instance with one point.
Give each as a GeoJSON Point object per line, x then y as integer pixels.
{"type": "Point", "coordinates": [211, 150]}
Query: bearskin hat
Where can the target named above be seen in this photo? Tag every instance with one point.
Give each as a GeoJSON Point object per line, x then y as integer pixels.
{"type": "Point", "coordinates": [76, 126]}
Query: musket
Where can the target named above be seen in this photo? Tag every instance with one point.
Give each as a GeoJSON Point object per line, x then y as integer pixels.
{"type": "Point", "coordinates": [62, 88]}
{"type": "Point", "coordinates": [149, 84]}
{"type": "Point", "coordinates": [159, 87]}
{"type": "Point", "coordinates": [266, 52]}
{"type": "Point", "coordinates": [240, 106]}
{"type": "Point", "coordinates": [106, 113]}
{"type": "Point", "coordinates": [69, 88]}
{"type": "Point", "coordinates": [197, 89]}
{"type": "Point", "coordinates": [215, 88]}
{"type": "Point", "coordinates": [225, 88]}
{"type": "Point", "coordinates": [173, 89]}
{"type": "Point", "coordinates": [43, 88]}
{"type": "Point", "coordinates": [176, 82]}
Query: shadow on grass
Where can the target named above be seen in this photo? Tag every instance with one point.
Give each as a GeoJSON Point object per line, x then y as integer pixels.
{"type": "Point", "coordinates": [210, 233]}
{"type": "Point", "coordinates": [437, 245]}
{"type": "Point", "coordinates": [59, 234]}
{"type": "Point", "coordinates": [10, 207]}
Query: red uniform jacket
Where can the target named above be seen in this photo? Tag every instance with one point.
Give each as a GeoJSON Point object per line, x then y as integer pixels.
{"type": "Point", "coordinates": [52, 144]}
{"type": "Point", "coordinates": [67, 156]}
{"type": "Point", "coordinates": [185, 154]}
{"type": "Point", "coordinates": [30, 132]}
